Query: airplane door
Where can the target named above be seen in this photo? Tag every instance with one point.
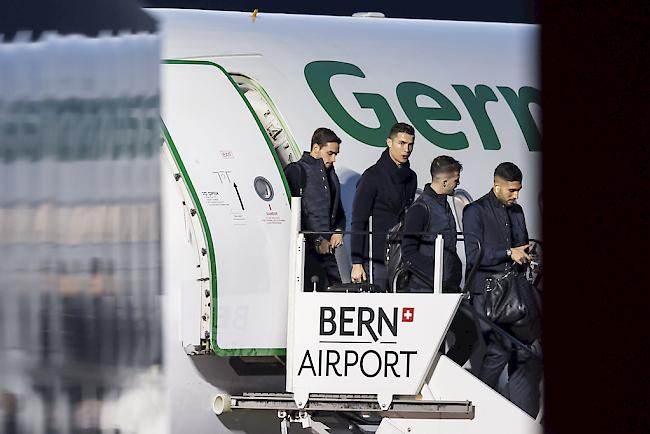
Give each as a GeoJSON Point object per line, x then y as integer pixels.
{"type": "Point", "coordinates": [238, 201]}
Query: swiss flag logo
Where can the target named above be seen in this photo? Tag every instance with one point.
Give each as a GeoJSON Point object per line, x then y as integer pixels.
{"type": "Point", "coordinates": [407, 314]}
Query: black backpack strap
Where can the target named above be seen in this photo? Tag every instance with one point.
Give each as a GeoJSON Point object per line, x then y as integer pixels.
{"type": "Point", "coordinates": [427, 211]}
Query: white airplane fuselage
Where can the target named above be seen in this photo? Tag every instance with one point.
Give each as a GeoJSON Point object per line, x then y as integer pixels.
{"type": "Point", "coordinates": [471, 90]}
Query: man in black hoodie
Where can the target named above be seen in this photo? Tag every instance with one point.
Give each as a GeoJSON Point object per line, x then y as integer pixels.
{"type": "Point", "coordinates": [314, 179]}
{"type": "Point", "coordinates": [384, 191]}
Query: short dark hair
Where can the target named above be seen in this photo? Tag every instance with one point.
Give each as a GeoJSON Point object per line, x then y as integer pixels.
{"type": "Point", "coordinates": [444, 164]}
{"type": "Point", "coordinates": [401, 127]}
{"type": "Point", "coordinates": [508, 171]}
{"type": "Point", "coordinates": [322, 136]}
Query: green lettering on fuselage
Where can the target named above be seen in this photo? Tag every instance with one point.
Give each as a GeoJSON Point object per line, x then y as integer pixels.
{"type": "Point", "coordinates": [475, 103]}
{"type": "Point", "coordinates": [319, 74]}
{"type": "Point", "coordinates": [420, 116]}
{"type": "Point", "coordinates": [520, 106]}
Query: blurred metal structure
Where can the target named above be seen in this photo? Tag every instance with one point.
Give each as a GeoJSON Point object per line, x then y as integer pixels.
{"type": "Point", "coordinates": [80, 286]}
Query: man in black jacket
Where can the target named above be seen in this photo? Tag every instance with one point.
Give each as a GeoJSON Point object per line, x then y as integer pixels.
{"type": "Point", "coordinates": [420, 249]}
{"type": "Point", "coordinates": [313, 177]}
{"type": "Point", "coordinates": [434, 217]}
{"type": "Point", "coordinates": [497, 221]}
{"type": "Point", "coordinates": [384, 191]}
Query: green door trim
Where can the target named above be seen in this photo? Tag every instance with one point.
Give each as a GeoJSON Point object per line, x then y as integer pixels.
{"type": "Point", "coordinates": [206, 229]}
{"type": "Point", "coordinates": [273, 107]}
{"type": "Point", "coordinates": [250, 109]}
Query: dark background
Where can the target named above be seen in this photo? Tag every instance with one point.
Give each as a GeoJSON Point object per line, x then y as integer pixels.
{"type": "Point", "coordinates": [596, 216]}
{"type": "Point", "coordinates": [516, 11]}
{"type": "Point", "coordinates": [88, 17]}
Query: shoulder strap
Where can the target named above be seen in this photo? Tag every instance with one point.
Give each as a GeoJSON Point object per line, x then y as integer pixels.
{"type": "Point", "coordinates": [426, 210]}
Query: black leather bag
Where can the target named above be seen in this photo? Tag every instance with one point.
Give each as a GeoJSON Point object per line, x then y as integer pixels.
{"type": "Point", "coordinates": [397, 271]}
{"type": "Point", "coordinates": [510, 302]}
{"type": "Point", "coordinates": [354, 287]}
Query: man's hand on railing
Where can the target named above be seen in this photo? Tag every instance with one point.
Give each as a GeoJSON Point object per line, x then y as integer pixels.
{"type": "Point", "coordinates": [358, 274]}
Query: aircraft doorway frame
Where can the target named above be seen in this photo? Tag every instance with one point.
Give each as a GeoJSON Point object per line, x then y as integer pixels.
{"type": "Point", "coordinates": [199, 224]}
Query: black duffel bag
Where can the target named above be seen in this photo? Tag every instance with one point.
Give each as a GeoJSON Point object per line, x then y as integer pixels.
{"type": "Point", "coordinates": [354, 287]}
{"type": "Point", "coordinates": [510, 302]}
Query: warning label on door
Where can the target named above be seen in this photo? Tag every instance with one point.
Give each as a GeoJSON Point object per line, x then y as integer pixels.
{"type": "Point", "coordinates": [273, 218]}
{"type": "Point", "coordinates": [212, 198]}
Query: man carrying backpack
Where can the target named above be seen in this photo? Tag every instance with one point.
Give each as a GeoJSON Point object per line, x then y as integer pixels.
{"type": "Point", "coordinates": [384, 190]}
{"type": "Point", "coordinates": [432, 214]}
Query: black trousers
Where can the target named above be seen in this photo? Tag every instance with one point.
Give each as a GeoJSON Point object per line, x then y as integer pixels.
{"type": "Point", "coordinates": [524, 370]}
{"type": "Point", "coordinates": [465, 337]}
{"type": "Point", "coordinates": [321, 270]}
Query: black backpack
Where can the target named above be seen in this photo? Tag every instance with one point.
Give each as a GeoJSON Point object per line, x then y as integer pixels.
{"type": "Point", "coordinates": [395, 266]}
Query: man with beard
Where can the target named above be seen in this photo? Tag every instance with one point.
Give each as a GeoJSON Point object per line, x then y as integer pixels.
{"type": "Point", "coordinates": [497, 222]}
{"type": "Point", "coordinates": [314, 179]}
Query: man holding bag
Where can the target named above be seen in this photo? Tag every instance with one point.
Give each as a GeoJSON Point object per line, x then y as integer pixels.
{"type": "Point", "coordinates": [497, 222]}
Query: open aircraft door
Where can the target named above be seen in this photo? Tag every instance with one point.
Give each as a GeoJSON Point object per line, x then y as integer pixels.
{"type": "Point", "coordinates": [236, 203]}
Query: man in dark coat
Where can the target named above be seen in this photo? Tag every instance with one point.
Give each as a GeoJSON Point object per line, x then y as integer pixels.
{"type": "Point", "coordinates": [384, 191]}
{"type": "Point", "coordinates": [434, 218]}
{"type": "Point", "coordinates": [497, 222]}
{"type": "Point", "coordinates": [314, 179]}
{"type": "Point", "coordinates": [420, 249]}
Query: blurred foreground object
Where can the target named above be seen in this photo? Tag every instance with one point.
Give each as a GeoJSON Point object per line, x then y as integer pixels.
{"type": "Point", "coordinates": [80, 318]}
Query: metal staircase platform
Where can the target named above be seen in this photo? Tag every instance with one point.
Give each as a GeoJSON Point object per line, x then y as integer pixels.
{"type": "Point", "coordinates": [366, 404]}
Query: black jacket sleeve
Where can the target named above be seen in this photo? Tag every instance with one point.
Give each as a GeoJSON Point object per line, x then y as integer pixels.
{"type": "Point", "coordinates": [473, 230]}
{"type": "Point", "coordinates": [293, 173]}
{"type": "Point", "coordinates": [519, 230]}
{"type": "Point", "coordinates": [416, 220]}
{"type": "Point", "coordinates": [364, 199]}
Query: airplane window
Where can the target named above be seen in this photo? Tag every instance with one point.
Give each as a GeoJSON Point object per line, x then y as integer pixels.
{"type": "Point", "coordinates": [263, 188]}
